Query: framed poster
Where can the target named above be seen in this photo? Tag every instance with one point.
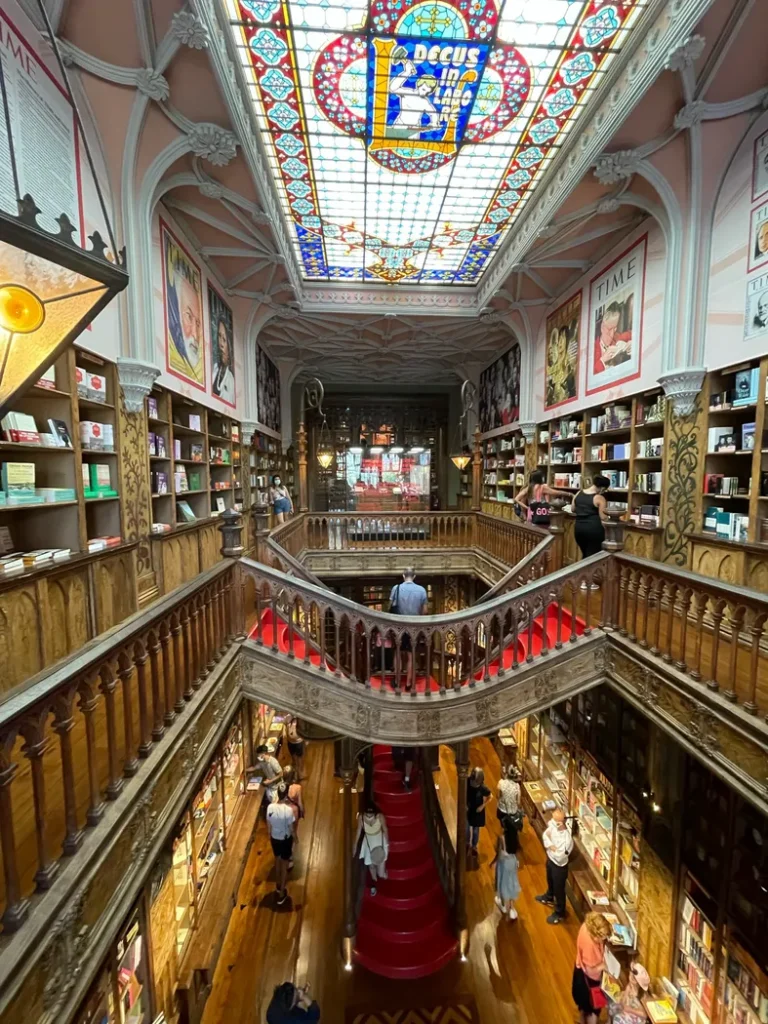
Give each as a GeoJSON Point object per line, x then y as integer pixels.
{"type": "Point", "coordinates": [222, 348]}
{"type": "Point", "coordinates": [756, 313]}
{"type": "Point", "coordinates": [563, 346]}
{"type": "Point", "coordinates": [758, 237]}
{"type": "Point", "coordinates": [500, 391]}
{"type": "Point", "coordinates": [760, 168]}
{"type": "Point", "coordinates": [183, 302]}
{"type": "Point", "coordinates": [616, 320]}
{"type": "Point", "coordinates": [267, 391]}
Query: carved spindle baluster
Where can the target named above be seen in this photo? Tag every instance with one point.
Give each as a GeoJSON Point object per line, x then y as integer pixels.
{"type": "Point", "coordinates": [125, 675]}
{"type": "Point", "coordinates": [736, 624]}
{"type": "Point", "coordinates": [515, 627]}
{"type": "Point", "coordinates": [223, 613]}
{"type": "Point", "coordinates": [530, 614]}
{"type": "Point", "coordinates": [158, 703]}
{"type": "Point", "coordinates": [354, 637]}
{"type": "Point", "coordinates": [259, 634]}
{"type": "Point", "coordinates": [398, 661]}
{"type": "Point", "coordinates": [174, 684]}
{"type": "Point", "coordinates": [87, 704]}
{"type": "Point", "coordinates": [648, 585]}
{"type": "Point", "coordinates": [756, 631]}
{"type": "Point", "coordinates": [702, 599]}
{"type": "Point", "coordinates": [635, 591]}
{"type": "Point", "coordinates": [307, 631]}
{"type": "Point", "coordinates": [63, 724]}
{"type": "Point", "coordinates": [321, 627]}
{"type": "Point", "coordinates": [216, 645]}
{"type": "Point", "coordinates": [658, 596]}
{"type": "Point", "coordinates": [670, 619]}
{"type": "Point", "coordinates": [107, 687]}
{"type": "Point", "coordinates": [291, 617]}
{"type": "Point", "coordinates": [34, 748]}
{"type": "Point", "coordinates": [442, 680]}
{"type": "Point", "coordinates": [194, 677]}
{"type": "Point", "coordinates": [488, 641]}
{"type": "Point", "coordinates": [16, 908]}
{"type": "Point", "coordinates": [622, 600]}
{"type": "Point", "coordinates": [208, 626]}
{"type": "Point", "coordinates": [140, 658]}
{"type": "Point", "coordinates": [200, 640]}
{"type": "Point", "coordinates": [587, 609]}
{"type": "Point", "coordinates": [336, 616]}
{"type": "Point", "coordinates": [685, 600]}
{"type": "Point", "coordinates": [545, 642]}
{"type": "Point", "coordinates": [559, 601]}
{"type": "Point", "coordinates": [717, 621]}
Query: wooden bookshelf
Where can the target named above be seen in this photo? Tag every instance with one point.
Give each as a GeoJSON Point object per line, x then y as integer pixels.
{"type": "Point", "coordinates": [265, 462]}
{"type": "Point", "coordinates": [503, 467]}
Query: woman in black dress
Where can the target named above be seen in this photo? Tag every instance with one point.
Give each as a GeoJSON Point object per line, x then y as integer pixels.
{"type": "Point", "coordinates": [590, 510]}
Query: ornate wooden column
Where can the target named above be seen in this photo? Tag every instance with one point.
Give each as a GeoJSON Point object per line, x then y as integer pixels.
{"type": "Point", "coordinates": [302, 463]}
{"type": "Point", "coordinates": [477, 472]}
{"type": "Point", "coordinates": [613, 543]}
{"type": "Point", "coordinates": [459, 893]}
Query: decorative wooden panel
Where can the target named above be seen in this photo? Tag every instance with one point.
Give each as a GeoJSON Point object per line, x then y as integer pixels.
{"type": "Point", "coordinates": [162, 928]}
{"type": "Point", "coordinates": [68, 615]}
{"type": "Point", "coordinates": [181, 560]}
{"type": "Point", "coordinates": [20, 636]}
{"type": "Point", "coordinates": [210, 546]}
{"type": "Point", "coordinates": [684, 467]}
{"type": "Point", "coordinates": [115, 590]}
{"type": "Point", "coordinates": [136, 505]}
{"type": "Point", "coordinates": [726, 563]}
{"type": "Point", "coordinates": [756, 572]}
{"type": "Point", "coordinates": [642, 544]}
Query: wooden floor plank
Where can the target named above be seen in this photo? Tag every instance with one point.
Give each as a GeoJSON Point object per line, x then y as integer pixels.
{"type": "Point", "coordinates": [518, 972]}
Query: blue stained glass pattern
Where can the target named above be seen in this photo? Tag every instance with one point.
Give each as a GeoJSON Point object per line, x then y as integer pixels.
{"type": "Point", "coordinates": [405, 136]}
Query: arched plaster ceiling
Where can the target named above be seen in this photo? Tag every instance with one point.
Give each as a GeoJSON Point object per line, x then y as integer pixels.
{"type": "Point", "coordinates": [229, 210]}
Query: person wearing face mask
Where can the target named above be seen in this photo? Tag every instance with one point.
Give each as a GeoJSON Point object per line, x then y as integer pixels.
{"type": "Point", "coordinates": [280, 500]}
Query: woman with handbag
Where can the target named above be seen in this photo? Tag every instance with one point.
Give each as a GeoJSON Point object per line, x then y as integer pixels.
{"type": "Point", "coordinates": [374, 848]}
{"type": "Point", "coordinates": [508, 796]}
{"type": "Point", "coordinates": [588, 972]}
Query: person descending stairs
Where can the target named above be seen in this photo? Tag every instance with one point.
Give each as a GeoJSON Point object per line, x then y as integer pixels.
{"type": "Point", "coordinates": [405, 930]}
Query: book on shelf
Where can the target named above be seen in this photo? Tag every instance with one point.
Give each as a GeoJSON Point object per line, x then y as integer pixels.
{"type": "Point", "coordinates": [180, 481]}
{"type": "Point", "coordinates": [598, 898]}
{"type": "Point", "coordinates": [96, 387]}
{"type": "Point", "coordinates": [92, 435]}
{"type": "Point", "coordinates": [60, 430]}
{"type": "Point", "coordinates": [654, 412]}
{"type": "Point", "coordinates": [81, 382]}
{"type": "Point", "coordinates": [47, 380]}
{"type": "Point", "coordinates": [721, 439]}
{"type": "Point", "coordinates": [161, 528]}
{"type": "Point", "coordinates": [20, 428]}
{"type": "Point", "coordinates": [176, 448]}
{"type": "Point", "coordinates": [51, 495]}
{"type": "Point", "coordinates": [748, 437]}
{"type": "Point", "coordinates": [101, 480]}
{"type": "Point", "coordinates": [651, 482]}
{"type": "Point", "coordinates": [220, 506]}
{"type": "Point", "coordinates": [6, 540]}
{"type": "Point", "coordinates": [10, 564]}
{"type": "Point", "coordinates": [196, 452]}
{"type": "Point", "coordinates": [194, 421]}
{"type": "Point", "coordinates": [195, 480]}
{"type": "Point", "coordinates": [18, 479]}
{"type": "Point", "coordinates": [615, 417]}
{"type": "Point", "coordinates": [745, 385]}
{"type": "Point", "coordinates": [185, 512]}
{"type": "Point", "coordinates": [159, 483]}
{"type": "Point", "coordinates": [650, 448]}
{"type": "Point", "coordinates": [152, 408]}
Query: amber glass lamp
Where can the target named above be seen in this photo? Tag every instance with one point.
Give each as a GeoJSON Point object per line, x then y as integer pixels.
{"type": "Point", "coordinates": [51, 287]}
{"type": "Point", "coordinates": [462, 455]}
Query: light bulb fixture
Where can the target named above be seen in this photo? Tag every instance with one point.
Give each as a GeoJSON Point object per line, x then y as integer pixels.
{"type": "Point", "coordinates": [51, 286]}
{"type": "Point", "coordinates": [416, 450]}
{"type": "Point", "coordinates": [462, 456]}
{"type": "Point", "coordinates": [396, 450]}
{"type": "Point", "coordinates": [376, 450]}
{"type": "Point", "coordinates": [357, 450]}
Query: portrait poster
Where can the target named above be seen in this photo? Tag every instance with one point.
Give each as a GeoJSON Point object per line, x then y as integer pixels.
{"type": "Point", "coordinates": [758, 237]}
{"type": "Point", "coordinates": [756, 313]}
{"type": "Point", "coordinates": [267, 391]}
{"type": "Point", "coordinates": [500, 391]}
{"type": "Point", "coordinates": [183, 301]}
{"type": "Point", "coordinates": [616, 320]}
{"type": "Point", "coordinates": [222, 348]}
{"type": "Point", "coordinates": [562, 353]}
{"type": "Point", "coordinates": [760, 168]}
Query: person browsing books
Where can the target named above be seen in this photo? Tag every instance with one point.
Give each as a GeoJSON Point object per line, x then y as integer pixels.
{"type": "Point", "coordinates": [590, 963]}
{"type": "Point", "coordinates": [558, 843]}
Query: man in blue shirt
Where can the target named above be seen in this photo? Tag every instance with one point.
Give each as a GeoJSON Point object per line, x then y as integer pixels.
{"type": "Point", "coordinates": [408, 598]}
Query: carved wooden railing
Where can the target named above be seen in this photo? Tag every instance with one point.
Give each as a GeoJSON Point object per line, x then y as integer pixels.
{"type": "Point", "coordinates": [291, 536]}
{"type": "Point", "coordinates": [82, 727]}
{"type": "Point", "coordinates": [714, 632]}
{"type": "Point", "coordinates": [454, 649]}
{"type": "Point", "coordinates": [439, 837]}
{"type": "Point", "coordinates": [532, 567]}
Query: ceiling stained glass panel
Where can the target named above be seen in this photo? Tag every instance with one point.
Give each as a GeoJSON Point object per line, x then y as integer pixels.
{"type": "Point", "coordinates": [405, 137]}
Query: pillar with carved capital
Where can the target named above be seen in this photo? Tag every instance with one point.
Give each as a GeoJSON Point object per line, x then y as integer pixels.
{"type": "Point", "coordinates": [459, 897]}
{"type": "Point", "coordinates": [477, 472]}
{"type": "Point", "coordinates": [302, 461]}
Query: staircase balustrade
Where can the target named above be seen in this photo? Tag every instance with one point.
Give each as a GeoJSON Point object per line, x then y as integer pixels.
{"type": "Point", "coordinates": [439, 837]}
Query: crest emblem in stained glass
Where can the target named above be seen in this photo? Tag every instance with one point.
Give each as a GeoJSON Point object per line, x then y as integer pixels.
{"type": "Point", "coordinates": [405, 136]}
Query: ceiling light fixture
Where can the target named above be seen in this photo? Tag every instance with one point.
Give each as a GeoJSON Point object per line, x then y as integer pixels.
{"type": "Point", "coordinates": [51, 287]}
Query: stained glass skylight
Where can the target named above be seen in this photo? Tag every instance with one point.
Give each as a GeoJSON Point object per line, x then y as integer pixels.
{"type": "Point", "coordinates": [405, 137]}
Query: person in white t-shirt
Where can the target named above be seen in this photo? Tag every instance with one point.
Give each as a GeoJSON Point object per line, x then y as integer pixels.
{"type": "Point", "coordinates": [280, 822]}
{"type": "Point", "coordinates": [558, 843]}
{"type": "Point", "coordinates": [270, 770]}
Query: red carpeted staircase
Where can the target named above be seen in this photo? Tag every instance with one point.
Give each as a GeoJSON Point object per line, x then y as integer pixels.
{"type": "Point", "coordinates": [512, 653]}
{"type": "Point", "coordinates": [405, 930]}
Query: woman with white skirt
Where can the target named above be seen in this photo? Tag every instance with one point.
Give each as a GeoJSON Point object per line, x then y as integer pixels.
{"type": "Point", "coordinates": [374, 848]}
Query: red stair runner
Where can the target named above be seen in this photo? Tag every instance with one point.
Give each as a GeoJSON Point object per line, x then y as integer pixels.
{"type": "Point", "coordinates": [404, 931]}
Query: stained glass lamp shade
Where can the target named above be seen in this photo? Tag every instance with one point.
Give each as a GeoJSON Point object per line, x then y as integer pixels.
{"type": "Point", "coordinates": [404, 137]}
{"type": "Point", "coordinates": [462, 460]}
{"type": "Point", "coordinates": [50, 287]}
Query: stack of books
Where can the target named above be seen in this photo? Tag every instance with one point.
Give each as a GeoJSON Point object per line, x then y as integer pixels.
{"type": "Point", "coordinates": [650, 448]}
{"type": "Point", "coordinates": [649, 482]}
{"type": "Point", "coordinates": [566, 428]}
{"type": "Point", "coordinates": [18, 480]}
{"type": "Point", "coordinates": [99, 481]}
{"type": "Point", "coordinates": [97, 437]}
{"type": "Point", "coordinates": [717, 483]}
{"type": "Point", "coordinates": [610, 452]}
{"type": "Point", "coordinates": [20, 561]}
{"type": "Point", "coordinates": [102, 543]}
{"type": "Point", "coordinates": [728, 525]}
{"type": "Point", "coordinates": [615, 417]}
{"type": "Point", "coordinates": [20, 428]}
{"type": "Point", "coordinates": [654, 412]}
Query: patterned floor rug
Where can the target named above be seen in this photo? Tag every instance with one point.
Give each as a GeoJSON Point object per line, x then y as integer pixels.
{"type": "Point", "coordinates": [461, 1010]}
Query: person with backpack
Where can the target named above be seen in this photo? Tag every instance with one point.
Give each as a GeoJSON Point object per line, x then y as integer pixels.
{"type": "Point", "coordinates": [536, 498]}
{"type": "Point", "coordinates": [374, 848]}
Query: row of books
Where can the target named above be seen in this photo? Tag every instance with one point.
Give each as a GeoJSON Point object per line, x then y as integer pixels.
{"type": "Point", "coordinates": [19, 486]}
{"type": "Point", "coordinates": [97, 437]}
{"type": "Point", "coordinates": [743, 392]}
{"type": "Point", "coordinates": [610, 452]}
{"type": "Point", "coordinates": [569, 481]}
{"type": "Point", "coordinates": [564, 429]}
{"type": "Point", "coordinates": [194, 422]}
{"type": "Point", "coordinates": [718, 483]}
{"type": "Point", "coordinates": [697, 923]}
{"type": "Point", "coordinates": [650, 448]}
{"type": "Point", "coordinates": [565, 454]}
{"type": "Point", "coordinates": [97, 481]}
{"type": "Point", "coordinates": [619, 478]}
{"type": "Point", "coordinates": [187, 480]}
{"type": "Point", "coordinates": [92, 386]}
{"type": "Point", "coordinates": [744, 998]}
{"type": "Point", "coordinates": [156, 444]}
{"type": "Point", "coordinates": [19, 561]}
{"type": "Point", "coordinates": [21, 428]}
{"type": "Point", "coordinates": [654, 412]}
{"type": "Point", "coordinates": [651, 482]}
{"type": "Point", "coordinates": [728, 525]}
{"type": "Point", "coordinates": [615, 417]}
{"type": "Point", "coordinates": [726, 440]}
{"type": "Point", "coordinates": [646, 515]}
